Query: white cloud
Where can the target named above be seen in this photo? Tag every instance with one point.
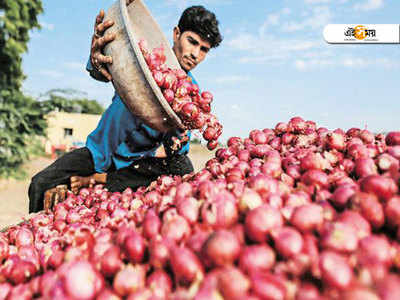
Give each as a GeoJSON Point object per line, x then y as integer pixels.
{"type": "Point", "coordinates": [271, 50]}
{"type": "Point", "coordinates": [369, 5]}
{"type": "Point", "coordinates": [51, 73]}
{"type": "Point", "coordinates": [182, 4]}
{"type": "Point", "coordinates": [273, 20]}
{"type": "Point", "coordinates": [74, 65]}
{"type": "Point", "coordinates": [320, 16]}
{"type": "Point", "coordinates": [47, 26]}
{"type": "Point", "coordinates": [347, 62]}
{"type": "Point", "coordinates": [232, 79]}
{"type": "Point", "coordinates": [316, 1]}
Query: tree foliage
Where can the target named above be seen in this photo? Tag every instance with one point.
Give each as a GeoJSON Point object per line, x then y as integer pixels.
{"type": "Point", "coordinates": [21, 117]}
{"type": "Point", "coordinates": [69, 100]}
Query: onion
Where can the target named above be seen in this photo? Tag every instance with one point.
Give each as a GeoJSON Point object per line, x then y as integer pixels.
{"type": "Point", "coordinates": [159, 253]}
{"type": "Point", "coordinates": [159, 283]}
{"type": "Point", "coordinates": [287, 241]}
{"type": "Point", "coordinates": [233, 283]}
{"type": "Point", "coordinates": [357, 221]}
{"type": "Point", "coordinates": [370, 208]}
{"type": "Point", "coordinates": [5, 289]}
{"type": "Point", "coordinates": [249, 200]}
{"type": "Point", "coordinates": [315, 178]}
{"type": "Point", "coordinates": [393, 138]}
{"type": "Point", "coordinates": [110, 262]}
{"type": "Point", "coordinates": [189, 209]}
{"type": "Point", "coordinates": [384, 188]}
{"type": "Point", "coordinates": [392, 211]}
{"type": "Point", "coordinates": [80, 280]}
{"type": "Point", "coordinates": [340, 237]}
{"type": "Point", "coordinates": [342, 195]}
{"type": "Point", "coordinates": [221, 211]}
{"type": "Point", "coordinates": [374, 249]}
{"type": "Point", "coordinates": [268, 286]}
{"type": "Point", "coordinates": [129, 280]}
{"type": "Point", "coordinates": [259, 222]}
{"type": "Point", "coordinates": [256, 258]}
{"type": "Point", "coordinates": [151, 224]}
{"type": "Point", "coordinates": [24, 237]}
{"type": "Point", "coordinates": [364, 167]}
{"type": "Point", "coordinates": [307, 217]}
{"type": "Point", "coordinates": [177, 229]}
{"type": "Point", "coordinates": [135, 247]}
{"type": "Point", "coordinates": [185, 265]}
{"type": "Point", "coordinates": [221, 248]}
{"type": "Point", "coordinates": [335, 271]}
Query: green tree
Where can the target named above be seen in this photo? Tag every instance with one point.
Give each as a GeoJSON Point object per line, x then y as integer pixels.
{"type": "Point", "coordinates": [21, 117]}
{"type": "Point", "coordinates": [69, 100]}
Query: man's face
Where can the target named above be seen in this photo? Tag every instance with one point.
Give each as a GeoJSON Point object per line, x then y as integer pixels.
{"type": "Point", "coordinates": [190, 49]}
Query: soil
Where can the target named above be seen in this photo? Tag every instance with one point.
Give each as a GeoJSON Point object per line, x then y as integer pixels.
{"type": "Point", "coordinates": [14, 193]}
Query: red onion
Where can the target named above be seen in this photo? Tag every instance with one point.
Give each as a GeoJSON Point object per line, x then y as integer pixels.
{"type": "Point", "coordinates": [159, 283]}
{"type": "Point", "coordinates": [336, 272]}
{"type": "Point", "coordinates": [259, 221]}
{"type": "Point", "coordinates": [221, 248]}
{"type": "Point", "coordinates": [135, 247]}
{"type": "Point", "coordinates": [307, 217]}
{"type": "Point", "coordinates": [80, 280]}
{"type": "Point", "coordinates": [268, 286]}
{"type": "Point", "coordinates": [370, 208]}
{"type": "Point", "coordinates": [287, 241]}
{"type": "Point", "coordinates": [185, 265]}
{"type": "Point", "coordinates": [256, 258]}
{"type": "Point", "coordinates": [393, 138]}
{"type": "Point", "coordinates": [384, 188]}
{"type": "Point", "coordinates": [233, 283]}
{"type": "Point", "coordinates": [129, 280]}
{"type": "Point", "coordinates": [110, 262]}
{"type": "Point", "coordinates": [340, 237]}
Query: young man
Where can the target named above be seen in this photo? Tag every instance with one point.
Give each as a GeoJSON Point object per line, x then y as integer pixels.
{"type": "Point", "coordinates": [122, 151]}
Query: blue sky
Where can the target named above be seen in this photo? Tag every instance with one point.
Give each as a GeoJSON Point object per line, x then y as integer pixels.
{"type": "Point", "coordinates": [272, 65]}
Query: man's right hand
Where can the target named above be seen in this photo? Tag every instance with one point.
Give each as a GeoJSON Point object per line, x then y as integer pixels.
{"type": "Point", "coordinates": [99, 40]}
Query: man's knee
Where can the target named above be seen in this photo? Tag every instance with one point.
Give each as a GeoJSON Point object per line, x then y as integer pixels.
{"type": "Point", "coordinates": [181, 165]}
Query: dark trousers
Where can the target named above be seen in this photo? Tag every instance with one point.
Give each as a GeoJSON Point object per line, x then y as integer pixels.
{"type": "Point", "coordinates": [79, 162]}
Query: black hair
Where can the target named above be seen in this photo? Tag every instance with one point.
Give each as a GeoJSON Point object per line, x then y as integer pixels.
{"type": "Point", "coordinates": [203, 22]}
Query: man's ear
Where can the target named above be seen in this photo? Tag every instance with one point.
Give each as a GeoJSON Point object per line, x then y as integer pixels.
{"type": "Point", "coordinates": [177, 34]}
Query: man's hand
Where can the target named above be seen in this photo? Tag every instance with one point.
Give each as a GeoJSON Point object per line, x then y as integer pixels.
{"type": "Point", "coordinates": [99, 40]}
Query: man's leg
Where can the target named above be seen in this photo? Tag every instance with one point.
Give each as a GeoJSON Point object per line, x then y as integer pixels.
{"type": "Point", "coordinates": [77, 162]}
{"type": "Point", "coordinates": [145, 171]}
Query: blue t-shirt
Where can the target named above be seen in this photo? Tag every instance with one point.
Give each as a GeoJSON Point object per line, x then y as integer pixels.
{"type": "Point", "coordinates": [121, 138]}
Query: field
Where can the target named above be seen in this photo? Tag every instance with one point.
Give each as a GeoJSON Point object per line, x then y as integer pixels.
{"type": "Point", "coordinates": [14, 194]}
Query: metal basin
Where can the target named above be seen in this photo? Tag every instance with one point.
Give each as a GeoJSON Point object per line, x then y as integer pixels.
{"type": "Point", "coordinates": [132, 78]}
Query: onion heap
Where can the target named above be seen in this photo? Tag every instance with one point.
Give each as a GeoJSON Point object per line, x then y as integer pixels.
{"type": "Point", "coordinates": [184, 97]}
{"type": "Point", "coordinates": [295, 212]}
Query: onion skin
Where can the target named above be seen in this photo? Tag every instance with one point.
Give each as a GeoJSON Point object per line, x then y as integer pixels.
{"type": "Point", "coordinates": [221, 248]}
{"type": "Point", "coordinates": [129, 280]}
{"type": "Point", "coordinates": [256, 258]}
{"type": "Point", "coordinates": [335, 271]}
{"type": "Point", "coordinates": [185, 265]}
{"type": "Point", "coordinates": [382, 187]}
{"type": "Point", "coordinates": [307, 217]}
{"type": "Point", "coordinates": [259, 222]}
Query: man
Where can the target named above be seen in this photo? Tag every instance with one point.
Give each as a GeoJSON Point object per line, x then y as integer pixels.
{"type": "Point", "coordinates": [122, 151]}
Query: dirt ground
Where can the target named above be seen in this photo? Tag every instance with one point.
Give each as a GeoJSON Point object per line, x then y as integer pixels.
{"type": "Point", "coordinates": [14, 194]}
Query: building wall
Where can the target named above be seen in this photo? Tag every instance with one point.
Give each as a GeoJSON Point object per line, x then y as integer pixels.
{"type": "Point", "coordinates": [69, 128]}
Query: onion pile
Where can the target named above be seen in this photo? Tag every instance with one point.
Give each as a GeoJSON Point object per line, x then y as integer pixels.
{"type": "Point", "coordinates": [294, 212]}
{"type": "Point", "coordinates": [184, 97]}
